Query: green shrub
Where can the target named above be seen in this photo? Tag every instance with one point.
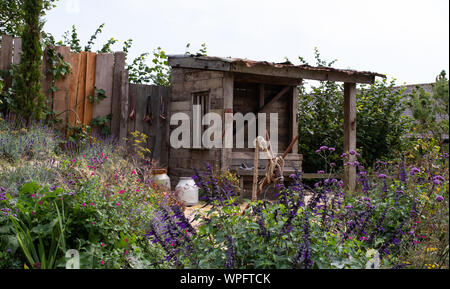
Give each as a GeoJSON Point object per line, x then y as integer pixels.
{"type": "Point", "coordinates": [381, 126]}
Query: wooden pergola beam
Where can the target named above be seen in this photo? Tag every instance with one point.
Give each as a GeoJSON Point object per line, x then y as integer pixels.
{"type": "Point", "coordinates": [350, 134]}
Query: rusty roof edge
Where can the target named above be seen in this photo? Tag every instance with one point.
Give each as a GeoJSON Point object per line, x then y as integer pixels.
{"type": "Point", "coordinates": [252, 63]}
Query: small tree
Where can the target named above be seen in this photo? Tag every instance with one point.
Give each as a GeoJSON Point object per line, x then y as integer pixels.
{"type": "Point", "coordinates": [430, 110]}
{"type": "Point", "coordinates": [12, 15]}
{"type": "Point", "coordinates": [29, 100]}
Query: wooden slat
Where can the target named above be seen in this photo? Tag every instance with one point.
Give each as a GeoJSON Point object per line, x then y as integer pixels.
{"type": "Point", "coordinates": [188, 62]}
{"type": "Point", "coordinates": [46, 81]}
{"type": "Point", "coordinates": [275, 99]}
{"type": "Point", "coordinates": [17, 50]}
{"type": "Point", "coordinates": [6, 57]}
{"type": "Point", "coordinates": [141, 101]}
{"type": "Point", "coordinates": [262, 96]}
{"type": "Point", "coordinates": [156, 102]}
{"type": "Point", "coordinates": [81, 90]}
{"type": "Point", "coordinates": [249, 156]}
{"type": "Point", "coordinates": [74, 59]}
{"type": "Point", "coordinates": [91, 63]}
{"type": "Point", "coordinates": [228, 86]}
{"type": "Point", "coordinates": [132, 91]}
{"type": "Point", "coordinates": [164, 158]}
{"type": "Point", "coordinates": [148, 124]}
{"type": "Point", "coordinates": [119, 67]}
{"type": "Point", "coordinates": [61, 96]}
{"type": "Point", "coordinates": [6, 52]}
{"type": "Point", "coordinates": [123, 128]}
{"type": "Point", "coordinates": [104, 80]}
{"type": "Point", "coordinates": [251, 78]}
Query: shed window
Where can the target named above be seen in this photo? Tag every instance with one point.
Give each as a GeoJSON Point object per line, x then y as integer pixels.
{"type": "Point", "coordinates": [202, 99]}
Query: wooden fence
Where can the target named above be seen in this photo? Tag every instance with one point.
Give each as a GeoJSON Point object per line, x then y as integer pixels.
{"type": "Point", "coordinates": [134, 107]}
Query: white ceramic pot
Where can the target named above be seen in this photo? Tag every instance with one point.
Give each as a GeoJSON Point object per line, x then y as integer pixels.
{"type": "Point", "coordinates": [187, 191]}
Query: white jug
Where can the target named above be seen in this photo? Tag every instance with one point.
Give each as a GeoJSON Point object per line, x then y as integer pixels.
{"type": "Point", "coordinates": [187, 191]}
{"type": "Point", "coordinates": [161, 178]}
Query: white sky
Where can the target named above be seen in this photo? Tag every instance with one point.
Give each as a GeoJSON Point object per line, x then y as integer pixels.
{"type": "Point", "coordinates": [405, 39]}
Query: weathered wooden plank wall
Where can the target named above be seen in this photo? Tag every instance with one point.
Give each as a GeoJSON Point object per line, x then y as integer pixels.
{"type": "Point", "coordinates": [134, 107]}
{"type": "Point", "coordinates": [149, 104]}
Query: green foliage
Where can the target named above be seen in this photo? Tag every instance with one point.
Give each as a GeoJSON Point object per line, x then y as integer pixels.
{"type": "Point", "coordinates": [99, 95]}
{"type": "Point", "coordinates": [102, 124]}
{"type": "Point", "coordinates": [103, 204]}
{"type": "Point", "coordinates": [40, 255]}
{"type": "Point", "coordinates": [431, 110]}
{"type": "Point", "coordinates": [12, 15]}
{"type": "Point", "coordinates": [18, 143]}
{"type": "Point", "coordinates": [29, 100]}
{"type": "Point", "coordinates": [158, 74]}
{"type": "Point", "coordinates": [202, 51]}
{"type": "Point", "coordinates": [73, 42]}
{"type": "Point", "coordinates": [94, 36]}
{"type": "Point", "coordinates": [127, 45]}
{"type": "Point", "coordinates": [107, 47]}
{"type": "Point", "coordinates": [380, 122]}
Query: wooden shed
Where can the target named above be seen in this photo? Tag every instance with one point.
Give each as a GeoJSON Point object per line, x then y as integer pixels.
{"type": "Point", "coordinates": [233, 85]}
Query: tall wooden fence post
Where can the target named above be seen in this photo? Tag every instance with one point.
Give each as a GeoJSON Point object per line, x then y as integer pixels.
{"type": "Point", "coordinates": [119, 67]}
{"type": "Point", "coordinates": [123, 108]}
{"type": "Point", "coordinates": [104, 80]}
{"type": "Point", "coordinates": [61, 99]}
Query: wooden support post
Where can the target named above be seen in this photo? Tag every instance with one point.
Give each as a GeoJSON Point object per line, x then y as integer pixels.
{"type": "Point", "coordinates": [350, 133]}
{"type": "Point", "coordinates": [255, 172]}
{"type": "Point", "coordinates": [294, 111]}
